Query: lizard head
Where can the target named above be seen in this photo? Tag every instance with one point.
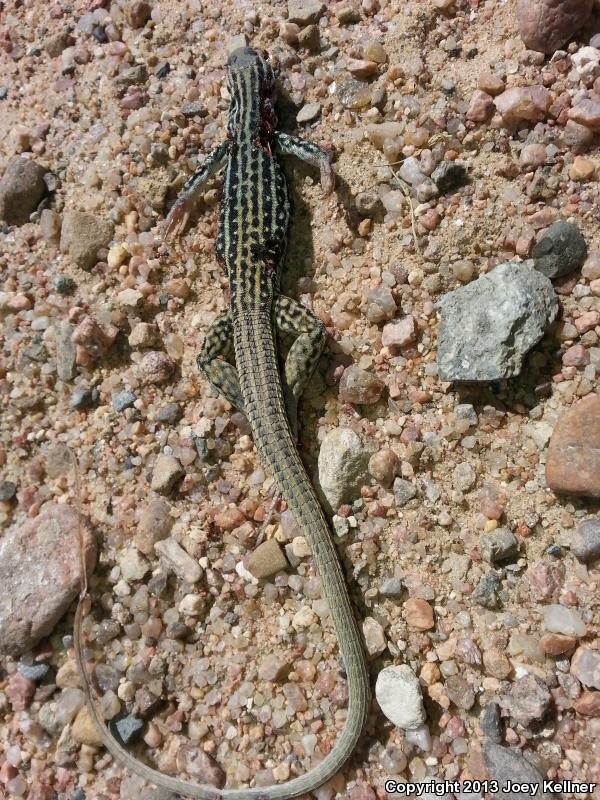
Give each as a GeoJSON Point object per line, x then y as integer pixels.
{"type": "Point", "coordinates": [252, 89]}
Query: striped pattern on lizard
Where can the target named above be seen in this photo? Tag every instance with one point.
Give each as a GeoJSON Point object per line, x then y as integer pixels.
{"type": "Point", "coordinates": [250, 246]}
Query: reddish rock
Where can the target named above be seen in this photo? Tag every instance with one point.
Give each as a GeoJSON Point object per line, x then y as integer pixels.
{"type": "Point", "coordinates": [555, 644]}
{"type": "Point", "coordinates": [491, 84]}
{"type": "Point", "coordinates": [546, 25]}
{"type": "Point", "coordinates": [588, 703]}
{"type": "Point", "coordinates": [399, 333]}
{"type": "Point", "coordinates": [523, 102]}
{"type": "Point", "coordinates": [481, 106]}
{"type": "Point", "coordinates": [20, 690]}
{"type": "Point", "coordinates": [587, 321]}
{"type": "Point", "coordinates": [587, 113]}
{"type": "Point", "coordinates": [360, 387]}
{"type": "Point", "coordinates": [418, 614]}
{"type": "Point", "coordinates": [40, 575]}
{"type": "Point", "coordinates": [576, 356]}
{"type": "Point", "coordinates": [192, 760]}
{"type": "Point", "coordinates": [545, 578]}
{"type": "Point", "coordinates": [573, 461]}
{"type": "Point", "coordinates": [92, 341]}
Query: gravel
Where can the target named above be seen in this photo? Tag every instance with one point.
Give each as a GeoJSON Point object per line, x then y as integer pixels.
{"type": "Point", "coordinates": [116, 105]}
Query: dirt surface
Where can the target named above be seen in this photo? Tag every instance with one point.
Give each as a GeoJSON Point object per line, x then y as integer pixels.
{"type": "Point", "coordinates": [99, 331]}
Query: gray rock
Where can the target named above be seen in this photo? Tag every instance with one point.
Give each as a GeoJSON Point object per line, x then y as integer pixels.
{"type": "Point", "coordinates": [175, 559]}
{"type": "Point", "coordinates": [64, 285]}
{"type": "Point", "coordinates": [368, 203]}
{"type": "Point", "coordinates": [50, 223]}
{"type": "Point", "coordinates": [560, 250]}
{"type": "Point", "coordinates": [585, 544]}
{"type": "Point", "coordinates": [491, 722]}
{"type": "Point", "coordinates": [123, 400]}
{"type": "Point", "coordinates": [304, 12]}
{"type": "Point", "coordinates": [488, 326]}
{"type": "Point", "coordinates": [342, 466]}
{"type": "Point", "coordinates": [528, 701]}
{"type": "Point", "coordinates": [194, 108]}
{"type": "Point", "coordinates": [8, 490]}
{"type": "Point", "coordinates": [65, 352]}
{"type": "Point", "coordinates": [486, 592]}
{"type": "Point", "coordinates": [359, 386]}
{"type": "Point", "coordinates": [35, 672]}
{"type": "Point", "coordinates": [83, 235]}
{"type": "Point", "coordinates": [127, 729]}
{"type": "Point", "coordinates": [506, 765]}
{"type": "Point", "coordinates": [170, 413]}
{"type": "Point", "coordinates": [391, 587]}
{"type": "Point", "coordinates": [404, 491]}
{"type": "Point", "coordinates": [449, 175]}
{"type": "Point", "coordinates": [40, 575]}
{"type": "Point", "coordinates": [132, 76]}
{"type": "Point", "coordinates": [380, 304]}
{"type": "Point", "coordinates": [167, 471]}
{"type": "Point", "coordinates": [21, 189]}
{"type": "Point", "coordinates": [84, 397]}
{"type": "Point", "coordinates": [499, 545]}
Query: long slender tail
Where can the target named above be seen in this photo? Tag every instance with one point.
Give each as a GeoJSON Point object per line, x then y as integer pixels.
{"type": "Point", "coordinates": [261, 389]}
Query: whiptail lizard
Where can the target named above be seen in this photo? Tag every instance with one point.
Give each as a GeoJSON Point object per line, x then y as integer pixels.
{"type": "Point", "coordinates": [251, 245]}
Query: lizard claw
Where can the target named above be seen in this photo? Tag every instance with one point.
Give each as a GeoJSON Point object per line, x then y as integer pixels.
{"type": "Point", "coordinates": [177, 219]}
{"type": "Point", "coordinates": [327, 176]}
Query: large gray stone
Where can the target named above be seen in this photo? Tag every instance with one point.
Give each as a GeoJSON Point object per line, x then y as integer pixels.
{"type": "Point", "coordinates": [488, 326]}
{"type": "Point", "coordinates": [509, 767]}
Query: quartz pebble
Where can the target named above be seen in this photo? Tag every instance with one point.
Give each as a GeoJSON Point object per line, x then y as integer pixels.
{"type": "Point", "coordinates": [178, 561]}
{"type": "Point", "coordinates": [560, 619]}
{"type": "Point", "coordinates": [585, 666]}
{"type": "Point", "coordinates": [523, 103]}
{"type": "Point", "coordinates": [342, 466]}
{"type": "Point", "coordinates": [398, 693]}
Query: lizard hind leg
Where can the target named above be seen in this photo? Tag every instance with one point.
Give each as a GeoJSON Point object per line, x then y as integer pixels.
{"type": "Point", "coordinates": [223, 375]}
{"type": "Point", "coordinates": [293, 318]}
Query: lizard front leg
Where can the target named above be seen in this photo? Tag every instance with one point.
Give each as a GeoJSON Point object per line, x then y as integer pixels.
{"type": "Point", "coordinates": [293, 318]}
{"type": "Point", "coordinates": [223, 375]}
{"type": "Point", "coordinates": [310, 153]}
{"type": "Point", "coordinates": [190, 194]}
